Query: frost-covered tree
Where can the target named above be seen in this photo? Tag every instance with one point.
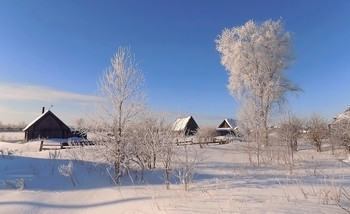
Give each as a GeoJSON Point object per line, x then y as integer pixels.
{"type": "Point", "coordinates": [250, 126]}
{"type": "Point", "coordinates": [289, 133]}
{"type": "Point", "coordinates": [79, 124]}
{"type": "Point", "coordinates": [317, 130]}
{"type": "Point", "coordinates": [121, 100]}
{"type": "Point", "coordinates": [187, 160]}
{"type": "Point", "coordinates": [149, 134]}
{"type": "Point", "coordinates": [340, 133]}
{"type": "Point", "coordinates": [206, 134]}
{"type": "Point", "coordinates": [256, 56]}
{"type": "Point", "coordinates": [154, 144]}
{"type": "Point", "coordinates": [166, 158]}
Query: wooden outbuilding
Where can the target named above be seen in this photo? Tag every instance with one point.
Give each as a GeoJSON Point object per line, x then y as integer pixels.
{"type": "Point", "coordinates": [46, 126]}
{"type": "Point", "coordinates": [187, 125]}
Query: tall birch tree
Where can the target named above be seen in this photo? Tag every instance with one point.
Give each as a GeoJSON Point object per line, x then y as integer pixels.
{"type": "Point", "coordinates": [121, 100]}
{"type": "Point", "coordinates": [256, 56]}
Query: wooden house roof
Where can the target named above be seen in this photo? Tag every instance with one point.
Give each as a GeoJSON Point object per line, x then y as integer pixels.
{"type": "Point", "coordinates": [41, 117]}
{"type": "Point", "coordinates": [343, 117]}
{"type": "Point", "coordinates": [181, 124]}
{"type": "Point", "coordinates": [228, 123]}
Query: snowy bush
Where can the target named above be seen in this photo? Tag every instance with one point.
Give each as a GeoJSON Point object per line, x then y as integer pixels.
{"type": "Point", "coordinates": [186, 165]}
{"type": "Point", "coordinates": [317, 130]}
{"type": "Point", "coordinates": [67, 171]}
{"type": "Point", "coordinates": [7, 152]}
{"type": "Point", "coordinates": [340, 134]}
{"type": "Point", "coordinates": [14, 184]}
{"type": "Point", "coordinates": [206, 134]}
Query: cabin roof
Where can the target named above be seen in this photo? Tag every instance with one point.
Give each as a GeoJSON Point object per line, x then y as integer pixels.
{"type": "Point", "coordinates": [180, 123]}
{"type": "Point", "coordinates": [42, 116]}
{"type": "Point", "coordinates": [343, 116]}
{"type": "Point", "coordinates": [232, 123]}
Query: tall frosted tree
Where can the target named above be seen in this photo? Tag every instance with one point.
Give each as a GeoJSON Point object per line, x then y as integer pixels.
{"type": "Point", "coordinates": [256, 56]}
{"type": "Point", "coordinates": [121, 100]}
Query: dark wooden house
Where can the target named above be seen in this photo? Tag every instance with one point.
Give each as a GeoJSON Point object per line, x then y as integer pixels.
{"type": "Point", "coordinates": [187, 125]}
{"type": "Point", "coordinates": [47, 125]}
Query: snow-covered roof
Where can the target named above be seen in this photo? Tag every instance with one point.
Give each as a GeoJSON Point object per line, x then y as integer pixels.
{"type": "Point", "coordinates": [232, 123]}
{"type": "Point", "coordinates": [180, 124]}
{"type": "Point", "coordinates": [343, 116]}
{"type": "Point", "coordinates": [41, 116]}
{"type": "Point", "coordinates": [34, 121]}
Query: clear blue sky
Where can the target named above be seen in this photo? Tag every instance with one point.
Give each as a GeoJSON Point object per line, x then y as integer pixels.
{"type": "Point", "coordinates": [53, 53]}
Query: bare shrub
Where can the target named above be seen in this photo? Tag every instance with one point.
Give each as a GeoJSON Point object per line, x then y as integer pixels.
{"type": "Point", "coordinates": [166, 158]}
{"type": "Point", "coordinates": [186, 163]}
{"type": "Point", "coordinates": [53, 156]}
{"type": "Point", "coordinates": [317, 130]}
{"type": "Point", "coordinates": [206, 134]}
{"type": "Point", "coordinates": [289, 133]}
{"type": "Point", "coordinates": [344, 201]}
{"type": "Point", "coordinates": [340, 133]}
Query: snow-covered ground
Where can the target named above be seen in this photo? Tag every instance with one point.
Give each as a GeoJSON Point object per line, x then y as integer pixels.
{"type": "Point", "coordinates": [11, 136]}
{"type": "Point", "coordinates": [224, 182]}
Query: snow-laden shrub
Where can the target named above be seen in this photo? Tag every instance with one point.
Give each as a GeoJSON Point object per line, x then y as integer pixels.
{"type": "Point", "coordinates": [67, 171]}
{"type": "Point", "coordinates": [14, 184]}
{"type": "Point", "coordinates": [7, 153]}
{"type": "Point", "coordinates": [186, 165]}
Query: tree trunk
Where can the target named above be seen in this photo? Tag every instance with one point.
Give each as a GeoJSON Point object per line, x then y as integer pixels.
{"type": "Point", "coordinates": [154, 160]}
{"type": "Point", "coordinates": [167, 176]}
{"type": "Point", "coordinates": [265, 133]}
{"type": "Point", "coordinates": [318, 146]}
{"type": "Point", "coordinates": [295, 145]}
{"type": "Point", "coordinates": [116, 171]}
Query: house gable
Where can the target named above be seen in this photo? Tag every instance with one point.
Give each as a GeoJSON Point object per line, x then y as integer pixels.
{"type": "Point", "coordinates": [228, 123]}
{"type": "Point", "coordinates": [47, 125]}
{"type": "Point", "coordinates": [185, 124]}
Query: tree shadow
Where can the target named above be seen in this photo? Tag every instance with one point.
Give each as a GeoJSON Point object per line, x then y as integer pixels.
{"type": "Point", "coordinates": [72, 206]}
{"type": "Point", "coordinates": [43, 174]}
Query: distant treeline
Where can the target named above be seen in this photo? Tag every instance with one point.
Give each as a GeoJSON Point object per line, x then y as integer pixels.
{"type": "Point", "coordinates": [12, 127]}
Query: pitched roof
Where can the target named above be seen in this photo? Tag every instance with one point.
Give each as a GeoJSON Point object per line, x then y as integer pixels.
{"type": "Point", "coordinates": [343, 116]}
{"type": "Point", "coordinates": [42, 116]}
{"type": "Point", "coordinates": [180, 123]}
{"type": "Point", "coordinates": [232, 123]}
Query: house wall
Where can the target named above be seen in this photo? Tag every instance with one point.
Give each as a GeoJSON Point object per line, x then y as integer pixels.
{"type": "Point", "coordinates": [191, 127]}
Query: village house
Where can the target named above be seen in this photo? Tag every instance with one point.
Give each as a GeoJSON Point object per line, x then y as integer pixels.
{"type": "Point", "coordinates": [227, 127]}
{"type": "Point", "coordinates": [186, 125]}
{"type": "Point", "coordinates": [47, 126]}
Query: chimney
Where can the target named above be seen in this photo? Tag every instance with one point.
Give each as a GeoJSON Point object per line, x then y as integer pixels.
{"type": "Point", "coordinates": [42, 112]}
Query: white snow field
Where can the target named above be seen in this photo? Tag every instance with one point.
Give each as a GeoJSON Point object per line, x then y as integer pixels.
{"type": "Point", "coordinates": [224, 182]}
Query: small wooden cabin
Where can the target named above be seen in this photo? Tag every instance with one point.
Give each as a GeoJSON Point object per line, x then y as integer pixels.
{"type": "Point", "coordinates": [185, 124]}
{"type": "Point", "coordinates": [47, 125]}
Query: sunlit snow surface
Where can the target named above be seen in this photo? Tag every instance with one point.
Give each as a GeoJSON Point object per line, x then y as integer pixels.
{"type": "Point", "coordinates": [224, 182]}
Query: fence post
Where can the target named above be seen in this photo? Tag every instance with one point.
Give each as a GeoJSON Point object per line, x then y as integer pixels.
{"type": "Point", "coordinates": [41, 146]}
